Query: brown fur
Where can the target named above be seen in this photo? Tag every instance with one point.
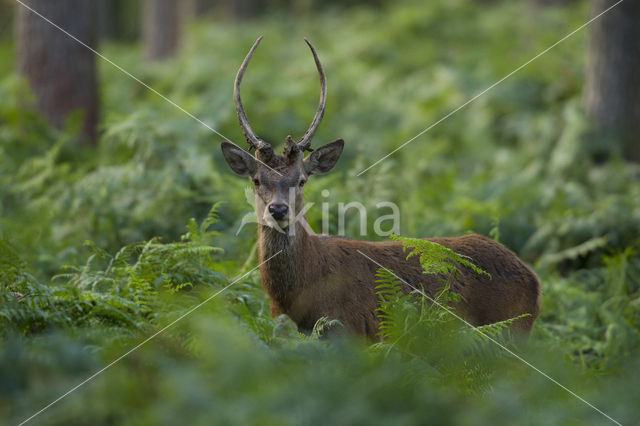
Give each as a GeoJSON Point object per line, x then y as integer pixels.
{"type": "Point", "coordinates": [316, 276]}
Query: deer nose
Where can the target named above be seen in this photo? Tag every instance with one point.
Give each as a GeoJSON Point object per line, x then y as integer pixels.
{"type": "Point", "coordinates": [278, 211]}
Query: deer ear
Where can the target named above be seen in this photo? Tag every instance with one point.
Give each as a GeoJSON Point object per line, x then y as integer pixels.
{"type": "Point", "coordinates": [238, 159]}
{"type": "Point", "coordinates": [324, 158]}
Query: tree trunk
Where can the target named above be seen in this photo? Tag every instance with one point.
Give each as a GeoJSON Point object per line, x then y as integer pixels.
{"type": "Point", "coordinates": [613, 79]}
{"type": "Point", "coordinates": [61, 72]}
{"type": "Point", "coordinates": [161, 28]}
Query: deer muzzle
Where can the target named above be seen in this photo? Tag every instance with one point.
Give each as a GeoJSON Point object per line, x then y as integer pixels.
{"type": "Point", "coordinates": [278, 211]}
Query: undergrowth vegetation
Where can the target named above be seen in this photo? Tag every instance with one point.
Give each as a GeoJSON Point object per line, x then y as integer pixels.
{"type": "Point", "coordinates": [101, 248]}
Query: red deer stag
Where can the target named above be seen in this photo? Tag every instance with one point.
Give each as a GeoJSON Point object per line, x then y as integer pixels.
{"type": "Point", "coordinates": [316, 275]}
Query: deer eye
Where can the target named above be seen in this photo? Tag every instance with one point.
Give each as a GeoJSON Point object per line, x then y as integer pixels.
{"type": "Point", "coordinates": [302, 182]}
{"type": "Point", "coordinates": [256, 182]}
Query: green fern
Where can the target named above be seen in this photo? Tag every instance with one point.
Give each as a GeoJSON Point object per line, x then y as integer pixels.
{"type": "Point", "coordinates": [323, 325]}
{"type": "Point", "coordinates": [425, 328]}
{"type": "Point", "coordinates": [435, 258]}
{"type": "Point", "coordinates": [120, 291]}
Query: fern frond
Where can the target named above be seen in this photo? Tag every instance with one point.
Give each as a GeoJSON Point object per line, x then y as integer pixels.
{"type": "Point", "coordinates": [435, 258]}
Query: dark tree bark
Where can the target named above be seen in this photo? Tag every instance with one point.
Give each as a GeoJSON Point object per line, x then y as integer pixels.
{"type": "Point", "coordinates": [161, 28]}
{"type": "Point", "coordinates": [61, 72]}
{"type": "Point", "coordinates": [613, 79]}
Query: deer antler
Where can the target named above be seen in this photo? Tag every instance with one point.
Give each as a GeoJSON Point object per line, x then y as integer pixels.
{"type": "Point", "coordinates": [254, 141]}
{"type": "Point", "coordinates": [305, 142]}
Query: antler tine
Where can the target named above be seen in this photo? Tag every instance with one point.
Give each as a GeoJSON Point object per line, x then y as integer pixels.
{"type": "Point", "coordinates": [305, 142]}
{"type": "Point", "coordinates": [253, 140]}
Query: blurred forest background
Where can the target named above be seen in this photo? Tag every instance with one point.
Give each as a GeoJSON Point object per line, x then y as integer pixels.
{"type": "Point", "coordinates": [118, 213]}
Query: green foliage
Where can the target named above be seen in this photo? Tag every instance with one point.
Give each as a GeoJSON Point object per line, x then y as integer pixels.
{"type": "Point", "coordinates": [593, 314]}
{"type": "Point", "coordinates": [323, 326]}
{"type": "Point", "coordinates": [120, 292]}
{"type": "Point", "coordinates": [427, 329]}
{"type": "Point", "coordinates": [512, 164]}
{"type": "Point", "coordinates": [435, 258]}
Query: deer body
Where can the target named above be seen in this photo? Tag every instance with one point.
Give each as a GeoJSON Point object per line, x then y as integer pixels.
{"type": "Point", "coordinates": [309, 276]}
{"type": "Point", "coordinates": [318, 276]}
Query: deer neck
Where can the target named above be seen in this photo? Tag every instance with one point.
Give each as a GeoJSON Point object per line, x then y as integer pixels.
{"type": "Point", "coordinates": [285, 270]}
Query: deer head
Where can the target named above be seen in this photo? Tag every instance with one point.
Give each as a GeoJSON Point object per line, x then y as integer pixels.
{"type": "Point", "coordinates": [279, 179]}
